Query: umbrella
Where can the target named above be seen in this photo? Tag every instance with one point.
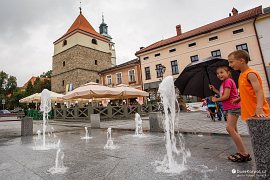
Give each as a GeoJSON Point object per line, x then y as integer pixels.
{"type": "Point", "coordinates": [129, 92]}
{"type": "Point", "coordinates": [196, 77]}
{"type": "Point", "coordinates": [37, 96]}
{"type": "Point", "coordinates": [92, 90]}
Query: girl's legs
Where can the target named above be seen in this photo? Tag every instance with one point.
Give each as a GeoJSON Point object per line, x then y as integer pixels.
{"type": "Point", "coordinates": [232, 130]}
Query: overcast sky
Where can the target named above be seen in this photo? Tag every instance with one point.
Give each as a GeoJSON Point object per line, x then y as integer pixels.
{"type": "Point", "coordinates": [29, 27]}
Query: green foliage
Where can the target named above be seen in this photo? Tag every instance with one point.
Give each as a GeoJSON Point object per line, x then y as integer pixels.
{"type": "Point", "coordinates": [12, 94]}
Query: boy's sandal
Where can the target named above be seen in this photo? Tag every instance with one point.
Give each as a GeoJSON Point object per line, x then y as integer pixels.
{"type": "Point", "coordinates": [239, 157]}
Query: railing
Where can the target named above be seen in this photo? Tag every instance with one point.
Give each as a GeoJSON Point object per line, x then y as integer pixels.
{"type": "Point", "coordinates": [109, 112]}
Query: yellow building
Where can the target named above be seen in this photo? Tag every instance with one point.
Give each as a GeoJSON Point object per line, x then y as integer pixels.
{"type": "Point", "coordinates": [218, 39]}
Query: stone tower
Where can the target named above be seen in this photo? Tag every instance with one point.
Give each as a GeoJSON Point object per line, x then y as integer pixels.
{"type": "Point", "coordinates": [79, 55]}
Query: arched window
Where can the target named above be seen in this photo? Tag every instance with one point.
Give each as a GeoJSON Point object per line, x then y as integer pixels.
{"type": "Point", "coordinates": [96, 62]}
{"type": "Point", "coordinates": [64, 63]}
{"type": "Point", "coordinates": [64, 42]}
{"type": "Point", "coordinates": [94, 41]}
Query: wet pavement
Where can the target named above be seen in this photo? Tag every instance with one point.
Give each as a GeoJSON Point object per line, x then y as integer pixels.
{"type": "Point", "coordinates": [133, 159]}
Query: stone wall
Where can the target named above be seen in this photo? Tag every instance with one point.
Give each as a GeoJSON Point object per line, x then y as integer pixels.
{"type": "Point", "coordinates": [78, 68]}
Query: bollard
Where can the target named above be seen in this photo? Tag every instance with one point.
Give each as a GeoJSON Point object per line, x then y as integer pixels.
{"type": "Point", "coordinates": [27, 127]}
{"type": "Point", "coordinates": [95, 120]}
{"type": "Point", "coordinates": [260, 139]}
{"type": "Point", "coordinates": [155, 120]}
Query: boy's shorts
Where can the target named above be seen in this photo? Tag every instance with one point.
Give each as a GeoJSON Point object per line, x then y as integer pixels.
{"type": "Point", "coordinates": [235, 112]}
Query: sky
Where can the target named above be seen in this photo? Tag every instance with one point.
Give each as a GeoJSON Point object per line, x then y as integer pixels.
{"type": "Point", "coordinates": [29, 27]}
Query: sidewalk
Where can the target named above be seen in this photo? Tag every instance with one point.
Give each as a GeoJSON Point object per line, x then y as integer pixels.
{"type": "Point", "coordinates": [193, 122]}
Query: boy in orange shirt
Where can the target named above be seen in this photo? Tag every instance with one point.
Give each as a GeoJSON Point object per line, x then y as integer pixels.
{"type": "Point", "coordinates": [253, 101]}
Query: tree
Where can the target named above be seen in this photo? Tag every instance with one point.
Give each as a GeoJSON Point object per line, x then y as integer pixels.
{"type": "Point", "coordinates": [47, 74]}
{"type": "Point", "coordinates": [3, 81]}
{"type": "Point", "coordinates": [11, 85]}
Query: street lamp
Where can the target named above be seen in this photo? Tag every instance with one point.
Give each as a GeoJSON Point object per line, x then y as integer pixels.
{"type": "Point", "coordinates": [160, 70]}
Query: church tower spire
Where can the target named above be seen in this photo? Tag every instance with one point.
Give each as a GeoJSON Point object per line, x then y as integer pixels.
{"type": "Point", "coordinates": [103, 28]}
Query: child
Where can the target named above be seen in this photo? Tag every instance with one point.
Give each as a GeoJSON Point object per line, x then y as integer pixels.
{"type": "Point", "coordinates": [253, 101]}
{"type": "Point", "coordinates": [228, 92]}
{"type": "Point", "coordinates": [211, 107]}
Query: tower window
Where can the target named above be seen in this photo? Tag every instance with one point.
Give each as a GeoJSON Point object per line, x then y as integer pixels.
{"type": "Point", "coordinates": [95, 62]}
{"type": "Point", "coordinates": [64, 63]}
{"type": "Point", "coordinates": [63, 83]}
{"type": "Point", "coordinates": [64, 42]}
{"type": "Point", "coordinates": [94, 41]}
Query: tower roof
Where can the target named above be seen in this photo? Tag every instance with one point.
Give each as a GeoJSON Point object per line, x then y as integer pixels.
{"type": "Point", "coordinates": [82, 24]}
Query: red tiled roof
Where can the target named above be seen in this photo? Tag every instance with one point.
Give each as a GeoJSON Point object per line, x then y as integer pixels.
{"type": "Point", "coordinates": [82, 24]}
{"type": "Point", "coordinates": [134, 61]}
{"type": "Point", "coordinates": [207, 28]}
{"type": "Point", "coordinates": [32, 80]}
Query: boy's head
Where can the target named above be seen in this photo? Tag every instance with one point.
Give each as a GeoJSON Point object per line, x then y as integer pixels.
{"type": "Point", "coordinates": [238, 59]}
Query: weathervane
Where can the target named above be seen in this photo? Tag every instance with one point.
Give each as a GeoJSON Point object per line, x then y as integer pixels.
{"type": "Point", "coordinates": [80, 7]}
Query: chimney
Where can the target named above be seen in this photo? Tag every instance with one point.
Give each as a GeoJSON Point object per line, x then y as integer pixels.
{"type": "Point", "coordinates": [234, 11]}
{"type": "Point", "coordinates": [178, 30]}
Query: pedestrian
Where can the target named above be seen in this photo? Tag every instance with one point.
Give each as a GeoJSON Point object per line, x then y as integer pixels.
{"type": "Point", "coordinates": [228, 92]}
{"type": "Point", "coordinates": [211, 107]}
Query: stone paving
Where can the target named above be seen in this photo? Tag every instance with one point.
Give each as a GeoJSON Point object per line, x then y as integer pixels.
{"type": "Point", "coordinates": [133, 159]}
{"type": "Point", "coordinates": [207, 141]}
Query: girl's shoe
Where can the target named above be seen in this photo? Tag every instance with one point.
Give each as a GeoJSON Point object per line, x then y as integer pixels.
{"type": "Point", "coordinates": [239, 157]}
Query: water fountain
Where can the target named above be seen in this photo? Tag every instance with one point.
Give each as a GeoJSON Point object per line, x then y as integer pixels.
{"type": "Point", "coordinates": [109, 144]}
{"type": "Point", "coordinates": [87, 134]}
{"type": "Point", "coordinates": [170, 162]}
{"type": "Point", "coordinates": [45, 107]}
{"type": "Point", "coordinates": [59, 167]}
{"type": "Point", "coordinates": [138, 125]}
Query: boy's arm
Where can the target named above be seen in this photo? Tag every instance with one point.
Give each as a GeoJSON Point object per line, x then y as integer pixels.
{"type": "Point", "coordinates": [259, 94]}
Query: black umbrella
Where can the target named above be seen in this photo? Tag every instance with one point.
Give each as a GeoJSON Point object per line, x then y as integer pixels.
{"type": "Point", "coordinates": [196, 77]}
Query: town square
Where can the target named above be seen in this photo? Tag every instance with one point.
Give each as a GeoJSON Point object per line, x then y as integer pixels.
{"type": "Point", "coordinates": [135, 89]}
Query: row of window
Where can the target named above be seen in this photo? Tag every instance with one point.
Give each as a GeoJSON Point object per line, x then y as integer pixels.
{"type": "Point", "coordinates": [194, 43]}
{"type": "Point", "coordinates": [131, 77]}
{"type": "Point", "coordinates": [174, 65]}
{"type": "Point", "coordinates": [217, 53]}
{"type": "Point", "coordinates": [64, 63]}
{"type": "Point", "coordinates": [94, 41]}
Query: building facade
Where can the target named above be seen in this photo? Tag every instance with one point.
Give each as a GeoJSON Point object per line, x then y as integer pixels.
{"type": "Point", "coordinates": [262, 24]}
{"type": "Point", "coordinates": [216, 39]}
{"type": "Point", "coordinates": [128, 73]}
{"type": "Point", "coordinates": [79, 55]}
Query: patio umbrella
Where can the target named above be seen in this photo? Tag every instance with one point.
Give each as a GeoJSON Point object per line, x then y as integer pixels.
{"type": "Point", "coordinates": [92, 90]}
{"type": "Point", "coordinates": [129, 92]}
{"type": "Point", "coordinates": [55, 97]}
{"type": "Point", "coordinates": [196, 77]}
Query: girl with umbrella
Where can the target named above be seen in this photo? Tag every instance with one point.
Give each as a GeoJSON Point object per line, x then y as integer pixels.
{"type": "Point", "coordinates": [228, 92]}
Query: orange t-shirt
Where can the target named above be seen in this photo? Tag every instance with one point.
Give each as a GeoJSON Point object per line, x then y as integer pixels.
{"type": "Point", "coordinates": [248, 96]}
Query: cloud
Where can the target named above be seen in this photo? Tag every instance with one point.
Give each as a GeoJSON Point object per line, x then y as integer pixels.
{"type": "Point", "coordinates": [29, 27]}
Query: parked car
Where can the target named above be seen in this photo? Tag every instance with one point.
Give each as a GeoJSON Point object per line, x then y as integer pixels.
{"type": "Point", "coordinates": [4, 111]}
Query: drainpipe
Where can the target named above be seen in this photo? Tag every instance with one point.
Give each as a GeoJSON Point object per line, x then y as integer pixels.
{"type": "Point", "coordinates": [264, 67]}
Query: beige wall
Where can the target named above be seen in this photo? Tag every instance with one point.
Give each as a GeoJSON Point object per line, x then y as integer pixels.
{"type": "Point", "coordinates": [124, 71]}
{"type": "Point", "coordinates": [83, 40]}
{"type": "Point", "coordinates": [226, 43]}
